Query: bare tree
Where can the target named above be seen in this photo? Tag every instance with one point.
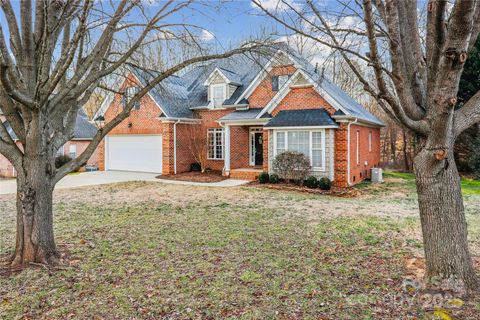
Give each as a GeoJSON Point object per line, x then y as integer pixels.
{"type": "Point", "coordinates": [198, 145]}
{"type": "Point", "coordinates": [59, 54]}
{"type": "Point", "coordinates": [417, 64]}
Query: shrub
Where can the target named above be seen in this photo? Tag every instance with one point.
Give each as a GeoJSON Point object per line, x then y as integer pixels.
{"type": "Point", "coordinates": [263, 177]}
{"type": "Point", "coordinates": [61, 160]}
{"type": "Point", "coordinates": [292, 166]}
{"type": "Point", "coordinates": [274, 178]}
{"type": "Point", "coordinates": [311, 182]}
{"type": "Point", "coordinates": [196, 167]}
{"type": "Point", "coordinates": [325, 183]}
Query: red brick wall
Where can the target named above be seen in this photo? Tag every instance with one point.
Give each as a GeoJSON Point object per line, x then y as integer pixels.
{"type": "Point", "coordinates": [266, 141]}
{"type": "Point", "coordinates": [81, 146]}
{"type": "Point", "coordinates": [184, 154]}
{"type": "Point", "coordinates": [303, 98]}
{"type": "Point", "coordinates": [6, 168]}
{"type": "Point", "coordinates": [209, 118]}
{"type": "Point", "coordinates": [361, 171]}
{"type": "Point", "coordinates": [262, 95]}
{"type": "Point", "coordinates": [143, 121]}
{"type": "Point", "coordinates": [239, 147]}
{"type": "Point", "coordinates": [341, 154]}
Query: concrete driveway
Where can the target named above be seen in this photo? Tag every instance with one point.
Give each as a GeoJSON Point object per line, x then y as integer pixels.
{"type": "Point", "coordinates": [105, 177]}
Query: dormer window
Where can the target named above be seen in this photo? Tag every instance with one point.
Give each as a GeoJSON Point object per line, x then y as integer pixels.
{"type": "Point", "coordinates": [279, 81]}
{"type": "Point", "coordinates": [128, 94]}
{"type": "Point", "coordinates": [219, 94]}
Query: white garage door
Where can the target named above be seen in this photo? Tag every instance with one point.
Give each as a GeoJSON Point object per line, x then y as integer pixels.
{"type": "Point", "coordinates": [134, 153]}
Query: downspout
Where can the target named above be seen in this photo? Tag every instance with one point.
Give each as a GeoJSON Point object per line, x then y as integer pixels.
{"type": "Point", "coordinates": [348, 152]}
{"type": "Point", "coordinates": [175, 146]}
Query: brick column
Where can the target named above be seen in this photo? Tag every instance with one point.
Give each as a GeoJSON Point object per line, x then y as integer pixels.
{"type": "Point", "coordinates": [168, 149]}
{"type": "Point", "coordinates": [101, 155]}
{"type": "Point", "coordinates": [265, 150]}
{"type": "Point", "coordinates": [341, 156]}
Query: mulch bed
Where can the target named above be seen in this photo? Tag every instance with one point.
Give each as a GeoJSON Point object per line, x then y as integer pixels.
{"type": "Point", "coordinates": [212, 176]}
{"type": "Point", "coordinates": [337, 192]}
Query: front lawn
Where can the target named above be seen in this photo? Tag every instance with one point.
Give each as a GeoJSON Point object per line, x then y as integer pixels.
{"type": "Point", "coordinates": [154, 251]}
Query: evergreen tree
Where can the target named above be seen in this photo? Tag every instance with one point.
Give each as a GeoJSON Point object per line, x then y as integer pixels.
{"type": "Point", "coordinates": [467, 147]}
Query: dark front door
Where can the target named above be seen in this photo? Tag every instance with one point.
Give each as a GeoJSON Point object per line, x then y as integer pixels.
{"type": "Point", "coordinates": [258, 143]}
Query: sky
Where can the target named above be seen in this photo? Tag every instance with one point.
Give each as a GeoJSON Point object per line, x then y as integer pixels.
{"type": "Point", "coordinates": [227, 21]}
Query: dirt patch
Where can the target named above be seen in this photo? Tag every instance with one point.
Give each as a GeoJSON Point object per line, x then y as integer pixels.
{"type": "Point", "coordinates": [336, 192]}
{"type": "Point", "coordinates": [214, 176]}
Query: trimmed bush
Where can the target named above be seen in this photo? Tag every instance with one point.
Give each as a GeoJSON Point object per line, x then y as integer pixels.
{"type": "Point", "coordinates": [274, 178]}
{"type": "Point", "coordinates": [61, 160]}
{"type": "Point", "coordinates": [311, 182]}
{"type": "Point", "coordinates": [195, 167]}
{"type": "Point", "coordinates": [292, 166]}
{"type": "Point", "coordinates": [263, 177]}
{"type": "Point", "coordinates": [325, 183]}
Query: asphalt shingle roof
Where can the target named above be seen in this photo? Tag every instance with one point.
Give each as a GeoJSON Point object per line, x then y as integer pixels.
{"type": "Point", "coordinates": [301, 118]}
{"type": "Point", "coordinates": [178, 94]}
{"type": "Point", "coordinates": [84, 129]}
{"type": "Point", "coordinates": [249, 114]}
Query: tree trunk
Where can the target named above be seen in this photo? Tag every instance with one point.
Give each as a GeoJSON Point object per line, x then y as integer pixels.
{"type": "Point", "coordinates": [448, 261]}
{"type": "Point", "coordinates": [35, 240]}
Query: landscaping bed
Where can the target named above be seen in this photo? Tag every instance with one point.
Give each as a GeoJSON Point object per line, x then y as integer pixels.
{"type": "Point", "coordinates": [334, 191]}
{"type": "Point", "coordinates": [195, 176]}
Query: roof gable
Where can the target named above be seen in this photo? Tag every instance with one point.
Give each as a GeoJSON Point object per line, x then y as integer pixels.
{"type": "Point", "coordinates": [228, 76]}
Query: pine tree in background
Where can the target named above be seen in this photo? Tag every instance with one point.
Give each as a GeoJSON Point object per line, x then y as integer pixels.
{"type": "Point", "coordinates": [467, 148]}
{"type": "Point", "coordinates": [474, 160]}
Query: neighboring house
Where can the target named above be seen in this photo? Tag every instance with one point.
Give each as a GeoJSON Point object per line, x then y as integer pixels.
{"type": "Point", "coordinates": [250, 110]}
{"type": "Point", "coordinates": [84, 132]}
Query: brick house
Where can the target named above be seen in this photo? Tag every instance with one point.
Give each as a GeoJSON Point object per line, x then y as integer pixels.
{"type": "Point", "coordinates": [249, 109]}
{"type": "Point", "coordinates": [84, 132]}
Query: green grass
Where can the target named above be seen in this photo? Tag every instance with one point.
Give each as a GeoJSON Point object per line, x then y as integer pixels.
{"type": "Point", "coordinates": [469, 186]}
{"type": "Point", "coordinates": [171, 255]}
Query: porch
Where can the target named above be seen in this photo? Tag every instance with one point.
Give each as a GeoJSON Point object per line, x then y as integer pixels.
{"type": "Point", "coordinates": [250, 173]}
{"type": "Point", "coordinates": [245, 151]}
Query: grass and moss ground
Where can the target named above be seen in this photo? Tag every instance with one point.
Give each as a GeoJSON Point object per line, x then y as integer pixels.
{"type": "Point", "coordinates": [158, 251]}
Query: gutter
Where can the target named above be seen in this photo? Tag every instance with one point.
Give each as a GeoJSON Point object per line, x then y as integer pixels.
{"type": "Point", "coordinates": [367, 122]}
{"type": "Point", "coordinates": [184, 120]}
{"type": "Point", "coordinates": [348, 151]}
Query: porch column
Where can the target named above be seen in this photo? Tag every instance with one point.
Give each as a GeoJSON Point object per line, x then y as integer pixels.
{"type": "Point", "coordinates": [227, 150]}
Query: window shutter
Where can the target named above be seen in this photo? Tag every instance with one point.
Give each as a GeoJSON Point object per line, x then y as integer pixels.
{"type": "Point", "coordinates": [275, 83]}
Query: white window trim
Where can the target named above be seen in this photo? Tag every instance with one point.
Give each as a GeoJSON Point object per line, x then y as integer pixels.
{"type": "Point", "coordinates": [212, 90]}
{"type": "Point", "coordinates": [310, 145]}
{"type": "Point", "coordinates": [215, 130]}
{"type": "Point", "coordinates": [72, 149]}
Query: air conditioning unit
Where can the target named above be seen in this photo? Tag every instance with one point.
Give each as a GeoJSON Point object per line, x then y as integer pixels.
{"type": "Point", "coordinates": [377, 175]}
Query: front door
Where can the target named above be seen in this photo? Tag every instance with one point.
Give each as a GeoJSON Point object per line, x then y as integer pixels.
{"type": "Point", "coordinates": [258, 148]}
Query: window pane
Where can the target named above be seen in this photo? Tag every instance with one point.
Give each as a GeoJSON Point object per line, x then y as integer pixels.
{"type": "Point", "coordinates": [218, 97]}
{"type": "Point", "coordinates": [275, 83]}
{"type": "Point", "coordinates": [316, 140]}
{"type": "Point", "coordinates": [282, 80]}
{"type": "Point", "coordinates": [299, 141]}
{"type": "Point", "coordinates": [280, 140]}
{"type": "Point", "coordinates": [215, 143]}
{"type": "Point", "coordinates": [317, 158]}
